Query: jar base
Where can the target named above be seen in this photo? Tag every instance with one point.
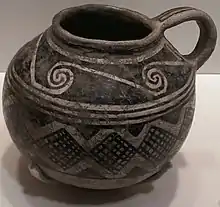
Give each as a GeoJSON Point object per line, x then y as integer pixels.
{"type": "Point", "coordinates": [38, 173]}
{"type": "Point", "coordinates": [50, 176]}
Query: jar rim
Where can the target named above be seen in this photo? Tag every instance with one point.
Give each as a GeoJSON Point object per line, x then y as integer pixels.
{"type": "Point", "coordinates": [59, 32]}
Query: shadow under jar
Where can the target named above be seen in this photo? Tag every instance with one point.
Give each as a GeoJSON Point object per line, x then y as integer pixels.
{"type": "Point", "coordinates": [102, 99]}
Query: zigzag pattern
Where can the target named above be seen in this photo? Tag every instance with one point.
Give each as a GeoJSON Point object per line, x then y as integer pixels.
{"type": "Point", "coordinates": [112, 153]}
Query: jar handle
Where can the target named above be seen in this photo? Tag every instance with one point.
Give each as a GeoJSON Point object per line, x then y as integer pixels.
{"type": "Point", "coordinates": [208, 32]}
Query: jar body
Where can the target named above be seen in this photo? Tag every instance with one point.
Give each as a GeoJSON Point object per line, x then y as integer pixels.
{"type": "Point", "coordinates": [96, 120]}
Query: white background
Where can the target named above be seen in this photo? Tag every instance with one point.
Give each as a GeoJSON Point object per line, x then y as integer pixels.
{"type": "Point", "coordinates": [21, 20]}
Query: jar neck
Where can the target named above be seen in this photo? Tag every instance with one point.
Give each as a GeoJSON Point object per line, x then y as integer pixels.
{"type": "Point", "coordinates": [103, 27]}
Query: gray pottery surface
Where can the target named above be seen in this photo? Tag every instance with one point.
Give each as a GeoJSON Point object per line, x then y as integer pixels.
{"type": "Point", "coordinates": [101, 99]}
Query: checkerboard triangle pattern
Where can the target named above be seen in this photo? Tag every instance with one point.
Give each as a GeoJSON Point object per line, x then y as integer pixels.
{"type": "Point", "coordinates": [157, 144]}
{"type": "Point", "coordinates": [113, 152]}
{"type": "Point", "coordinates": [61, 149]}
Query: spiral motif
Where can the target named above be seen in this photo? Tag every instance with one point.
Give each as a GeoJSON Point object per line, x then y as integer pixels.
{"type": "Point", "coordinates": [60, 79]}
{"type": "Point", "coordinates": [155, 81]}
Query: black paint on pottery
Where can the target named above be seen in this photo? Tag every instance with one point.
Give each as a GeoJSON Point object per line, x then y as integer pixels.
{"type": "Point", "coordinates": [102, 99]}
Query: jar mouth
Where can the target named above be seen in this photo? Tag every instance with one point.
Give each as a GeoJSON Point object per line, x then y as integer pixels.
{"type": "Point", "coordinates": [101, 26]}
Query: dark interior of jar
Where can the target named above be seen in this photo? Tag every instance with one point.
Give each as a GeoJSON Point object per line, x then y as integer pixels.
{"type": "Point", "coordinates": [104, 25]}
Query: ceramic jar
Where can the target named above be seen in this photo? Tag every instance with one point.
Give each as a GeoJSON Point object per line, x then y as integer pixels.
{"type": "Point", "coordinates": [102, 99]}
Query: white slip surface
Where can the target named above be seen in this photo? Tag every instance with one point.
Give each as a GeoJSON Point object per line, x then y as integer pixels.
{"type": "Point", "coordinates": [193, 181]}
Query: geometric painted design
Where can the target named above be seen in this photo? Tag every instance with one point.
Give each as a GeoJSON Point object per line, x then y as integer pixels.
{"type": "Point", "coordinates": [172, 117]}
{"type": "Point", "coordinates": [183, 130]}
{"type": "Point", "coordinates": [157, 144]}
{"type": "Point", "coordinates": [87, 131]}
{"type": "Point", "coordinates": [187, 121]}
{"type": "Point", "coordinates": [61, 149]}
{"type": "Point", "coordinates": [39, 118]}
{"type": "Point", "coordinates": [114, 152]}
{"type": "Point", "coordinates": [130, 150]}
{"type": "Point", "coordinates": [136, 129]}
